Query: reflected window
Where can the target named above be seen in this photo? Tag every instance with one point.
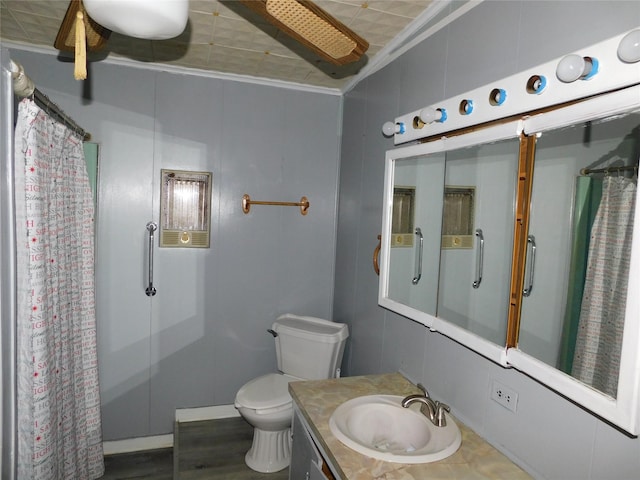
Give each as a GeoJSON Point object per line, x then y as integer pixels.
{"type": "Point", "coordinates": [457, 217]}
{"type": "Point", "coordinates": [403, 215]}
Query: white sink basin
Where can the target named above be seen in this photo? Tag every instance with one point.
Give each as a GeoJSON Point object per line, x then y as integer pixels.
{"type": "Point", "coordinates": [379, 427]}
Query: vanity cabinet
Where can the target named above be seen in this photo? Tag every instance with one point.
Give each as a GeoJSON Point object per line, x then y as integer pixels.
{"type": "Point", "coordinates": [306, 461]}
{"type": "Point", "coordinates": [316, 400]}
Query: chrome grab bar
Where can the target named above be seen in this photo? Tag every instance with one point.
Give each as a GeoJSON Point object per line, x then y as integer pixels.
{"type": "Point", "coordinates": [151, 227]}
{"type": "Point", "coordinates": [531, 247]}
{"type": "Point", "coordinates": [418, 259]}
{"type": "Point", "coordinates": [479, 258]}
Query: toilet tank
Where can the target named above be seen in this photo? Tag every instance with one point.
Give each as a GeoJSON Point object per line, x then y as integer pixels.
{"type": "Point", "coordinates": [309, 347]}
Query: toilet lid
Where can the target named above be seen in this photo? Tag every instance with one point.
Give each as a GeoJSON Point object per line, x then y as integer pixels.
{"type": "Point", "coordinates": [267, 391]}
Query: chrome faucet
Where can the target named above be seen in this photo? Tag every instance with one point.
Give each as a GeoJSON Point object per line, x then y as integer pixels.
{"type": "Point", "coordinates": [433, 410]}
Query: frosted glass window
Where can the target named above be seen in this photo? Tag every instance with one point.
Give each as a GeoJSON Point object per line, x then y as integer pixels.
{"type": "Point", "coordinates": [185, 209]}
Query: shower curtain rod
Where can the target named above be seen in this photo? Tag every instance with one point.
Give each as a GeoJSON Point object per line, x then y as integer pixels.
{"type": "Point", "coordinates": [23, 86]}
{"type": "Point", "coordinates": [587, 171]}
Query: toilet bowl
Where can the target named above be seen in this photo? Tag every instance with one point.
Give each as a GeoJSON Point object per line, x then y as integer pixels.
{"type": "Point", "coordinates": [307, 348]}
{"type": "Point", "coordinates": [265, 403]}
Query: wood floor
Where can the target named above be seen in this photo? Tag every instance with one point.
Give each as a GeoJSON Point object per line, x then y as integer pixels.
{"type": "Point", "coordinates": [212, 449]}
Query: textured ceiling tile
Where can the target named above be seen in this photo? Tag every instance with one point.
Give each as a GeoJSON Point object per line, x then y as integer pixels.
{"type": "Point", "coordinates": [373, 50]}
{"type": "Point", "coordinates": [205, 6]}
{"type": "Point", "coordinates": [38, 29]}
{"type": "Point", "coordinates": [15, 33]}
{"type": "Point", "coordinates": [195, 56]}
{"type": "Point", "coordinates": [237, 11]}
{"type": "Point", "coordinates": [344, 12]}
{"type": "Point", "coordinates": [273, 66]}
{"type": "Point", "coordinates": [11, 29]}
{"type": "Point", "coordinates": [381, 27]}
{"type": "Point", "coordinates": [43, 37]}
{"type": "Point", "coordinates": [239, 34]}
{"type": "Point", "coordinates": [321, 80]}
{"type": "Point", "coordinates": [406, 8]}
{"type": "Point", "coordinates": [275, 47]}
{"type": "Point", "coordinates": [201, 27]}
{"type": "Point", "coordinates": [357, 3]}
{"type": "Point", "coordinates": [376, 18]}
{"type": "Point", "coordinates": [243, 41]}
{"type": "Point", "coordinates": [224, 11]}
{"type": "Point", "coordinates": [27, 19]}
{"type": "Point", "coordinates": [135, 48]}
{"type": "Point", "coordinates": [234, 60]}
{"type": "Point", "coordinates": [54, 10]}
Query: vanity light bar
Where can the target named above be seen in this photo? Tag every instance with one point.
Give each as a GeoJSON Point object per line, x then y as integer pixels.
{"type": "Point", "coordinates": [603, 67]}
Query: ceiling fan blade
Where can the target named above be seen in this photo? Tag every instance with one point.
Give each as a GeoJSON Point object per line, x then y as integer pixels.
{"type": "Point", "coordinates": [96, 34]}
{"type": "Point", "coordinates": [307, 23]}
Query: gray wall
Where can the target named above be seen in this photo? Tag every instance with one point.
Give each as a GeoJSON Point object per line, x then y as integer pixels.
{"type": "Point", "coordinates": [204, 334]}
{"type": "Point", "coordinates": [548, 435]}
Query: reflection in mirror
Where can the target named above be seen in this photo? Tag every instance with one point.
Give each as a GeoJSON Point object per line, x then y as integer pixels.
{"type": "Point", "coordinates": [404, 200]}
{"type": "Point", "coordinates": [583, 199]}
{"type": "Point", "coordinates": [457, 217]}
{"type": "Point", "coordinates": [415, 238]}
{"type": "Point", "coordinates": [475, 261]}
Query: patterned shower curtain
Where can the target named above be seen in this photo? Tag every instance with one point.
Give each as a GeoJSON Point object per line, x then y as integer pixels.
{"type": "Point", "coordinates": [599, 342]}
{"type": "Point", "coordinates": [588, 192]}
{"type": "Point", "coordinates": [59, 424]}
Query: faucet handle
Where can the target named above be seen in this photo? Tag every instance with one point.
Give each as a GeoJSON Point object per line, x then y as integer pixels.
{"type": "Point", "coordinates": [441, 420]}
{"type": "Point", "coordinates": [424, 390]}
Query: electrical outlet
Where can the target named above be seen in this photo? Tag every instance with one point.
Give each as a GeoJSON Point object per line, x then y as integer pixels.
{"type": "Point", "coordinates": [504, 396]}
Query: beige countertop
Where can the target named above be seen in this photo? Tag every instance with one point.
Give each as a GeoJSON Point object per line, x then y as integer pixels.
{"type": "Point", "coordinates": [474, 460]}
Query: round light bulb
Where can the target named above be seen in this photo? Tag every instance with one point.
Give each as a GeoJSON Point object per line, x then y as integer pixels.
{"type": "Point", "coordinates": [390, 128]}
{"type": "Point", "coordinates": [629, 47]}
{"type": "Point", "coordinates": [430, 115]}
{"type": "Point", "coordinates": [570, 68]}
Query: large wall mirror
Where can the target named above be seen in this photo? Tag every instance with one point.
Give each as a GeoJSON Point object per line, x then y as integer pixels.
{"type": "Point", "coordinates": [582, 208]}
{"type": "Point", "coordinates": [414, 238]}
{"type": "Point", "coordinates": [446, 258]}
{"type": "Point", "coordinates": [477, 240]}
{"type": "Point", "coordinates": [578, 329]}
{"type": "Point", "coordinates": [579, 325]}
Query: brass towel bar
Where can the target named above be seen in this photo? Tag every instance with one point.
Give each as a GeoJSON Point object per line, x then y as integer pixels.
{"type": "Point", "coordinates": [247, 202]}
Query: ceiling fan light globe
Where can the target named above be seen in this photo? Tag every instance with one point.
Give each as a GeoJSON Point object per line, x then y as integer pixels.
{"type": "Point", "coordinates": [147, 19]}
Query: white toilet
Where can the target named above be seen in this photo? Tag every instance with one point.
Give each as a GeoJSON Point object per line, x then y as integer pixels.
{"type": "Point", "coordinates": [307, 348]}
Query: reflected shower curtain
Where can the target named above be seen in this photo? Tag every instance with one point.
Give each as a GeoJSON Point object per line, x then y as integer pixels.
{"type": "Point", "coordinates": [599, 342]}
{"type": "Point", "coordinates": [59, 425]}
{"type": "Point", "coordinates": [588, 193]}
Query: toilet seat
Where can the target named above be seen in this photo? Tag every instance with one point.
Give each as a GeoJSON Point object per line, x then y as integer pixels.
{"type": "Point", "coordinates": [266, 394]}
